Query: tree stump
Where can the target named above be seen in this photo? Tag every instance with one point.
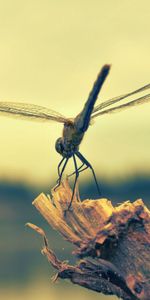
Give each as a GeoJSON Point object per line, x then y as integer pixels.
{"type": "Point", "coordinates": [112, 244]}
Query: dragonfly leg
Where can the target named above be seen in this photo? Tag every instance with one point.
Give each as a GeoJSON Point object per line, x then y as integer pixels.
{"type": "Point", "coordinates": [79, 170]}
{"type": "Point", "coordinates": [83, 159]}
{"type": "Point", "coordinates": [76, 177]}
{"type": "Point", "coordinates": [86, 167]}
{"type": "Point", "coordinates": [59, 165]}
{"type": "Point", "coordinates": [60, 173]}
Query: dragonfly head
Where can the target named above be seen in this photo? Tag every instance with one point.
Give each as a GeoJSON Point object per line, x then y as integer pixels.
{"type": "Point", "coordinates": [66, 150]}
{"type": "Point", "coordinates": [59, 146]}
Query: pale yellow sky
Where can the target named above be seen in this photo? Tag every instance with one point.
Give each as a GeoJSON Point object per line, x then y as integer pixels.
{"type": "Point", "coordinates": [50, 54]}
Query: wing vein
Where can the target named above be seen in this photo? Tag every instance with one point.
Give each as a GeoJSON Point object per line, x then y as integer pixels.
{"type": "Point", "coordinates": [119, 98]}
{"type": "Point", "coordinates": [30, 111]}
{"type": "Point", "coordinates": [141, 100]}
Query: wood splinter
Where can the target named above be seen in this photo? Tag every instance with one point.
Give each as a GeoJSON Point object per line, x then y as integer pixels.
{"type": "Point", "coordinates": [112, 243]}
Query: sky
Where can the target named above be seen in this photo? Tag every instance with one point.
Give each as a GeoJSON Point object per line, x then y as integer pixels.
{"type": "Point", "coordinates": [50, 54]}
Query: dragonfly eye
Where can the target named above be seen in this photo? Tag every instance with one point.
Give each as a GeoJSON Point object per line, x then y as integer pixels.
{"type": "Point", "coordinates": [59, 146]}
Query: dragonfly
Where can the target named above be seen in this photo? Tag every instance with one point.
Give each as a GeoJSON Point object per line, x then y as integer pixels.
{"type": "Point", "coordinates": [74, 128]}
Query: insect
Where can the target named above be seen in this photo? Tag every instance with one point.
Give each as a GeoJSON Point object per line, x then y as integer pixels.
{"type": "Point", "coordinates": [74, 128]}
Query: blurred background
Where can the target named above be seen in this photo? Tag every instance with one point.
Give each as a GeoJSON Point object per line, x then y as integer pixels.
{"type": "Point", "coordinates": [50, 54]}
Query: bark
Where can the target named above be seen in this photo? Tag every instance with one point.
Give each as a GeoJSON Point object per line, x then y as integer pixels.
{"type": "Point", "coordinates": [112, 244]}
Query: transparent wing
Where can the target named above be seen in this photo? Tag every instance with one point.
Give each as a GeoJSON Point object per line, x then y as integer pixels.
{"type": "Point", "coordinates": [30, 112]}
{"type": "Point", "coordinates": [119, 98]}
{"type": "Point", "coordinates": [140, 100]}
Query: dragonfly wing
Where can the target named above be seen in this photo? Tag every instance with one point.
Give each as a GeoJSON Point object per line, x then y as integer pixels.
{"type": "Point", "coordinates": [137, 101]}
{"type": "Point", "coordinates": [30, 112]}
{"type": "Point", "coordinates": [119, 98]}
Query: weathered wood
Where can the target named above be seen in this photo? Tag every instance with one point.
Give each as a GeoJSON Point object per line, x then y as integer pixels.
{"type": "Point", "coordinates": [113, 243]}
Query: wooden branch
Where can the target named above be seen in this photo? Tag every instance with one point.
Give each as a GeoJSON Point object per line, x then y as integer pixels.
{"type": "Point", "coordinates": [113, 243]}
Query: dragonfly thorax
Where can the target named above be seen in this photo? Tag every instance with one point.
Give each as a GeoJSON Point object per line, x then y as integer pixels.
{"type": "Point", "coordinates": [71, 138]}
